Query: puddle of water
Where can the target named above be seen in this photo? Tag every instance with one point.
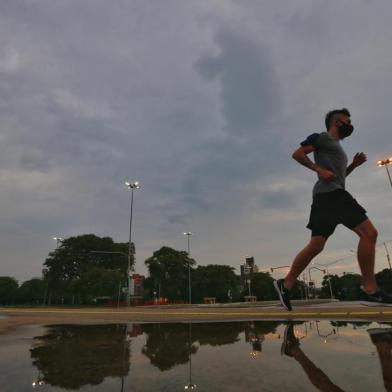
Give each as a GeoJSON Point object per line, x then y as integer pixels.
{"type": "Point", "coordinates": [224, 356]}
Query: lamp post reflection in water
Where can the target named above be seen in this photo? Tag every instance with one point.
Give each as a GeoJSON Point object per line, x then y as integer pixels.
{"type": "Point", "coordinates": [254, 339]}
{"type": "Point", "coordinates": [39, 381]}
{"type": "Point", "coordinates": [190, 385]}
{"type": "Point", "coordinates": [324, 336]}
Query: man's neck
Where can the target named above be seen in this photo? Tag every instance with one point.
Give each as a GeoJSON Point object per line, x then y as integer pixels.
{"type": "Point", "coordinates": [334, 133]}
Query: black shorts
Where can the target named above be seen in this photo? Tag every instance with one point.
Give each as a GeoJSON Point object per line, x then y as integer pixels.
{"type": "Point", "coordinates": [332, 208]}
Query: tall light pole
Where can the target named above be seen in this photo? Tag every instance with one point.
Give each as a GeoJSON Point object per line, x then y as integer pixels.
{"type": "Point", "coordinates": [388, 258]}
{"type": "Point", "coordinates": [58, 240]}
{"type": "Point", "coordinates": [188, 234]}
{"type": "Point", "coordinates": [132, 187]}
{"type": "Point", "coordinates": [324, 271]}
{"type": "Point", "coordinates": [330, 285]}
{"type": "Point", "coordinates": [385, 163]}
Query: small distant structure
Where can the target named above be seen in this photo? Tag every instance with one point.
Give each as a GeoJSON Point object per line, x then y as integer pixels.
{"type": "Point", "coordinates": [249, 267]}
{"type": "Point", "coordinates": [247, 270]}
{"type": "Point", "coordinates": [137, 285]}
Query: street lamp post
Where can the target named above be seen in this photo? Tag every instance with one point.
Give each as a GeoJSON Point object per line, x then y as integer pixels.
{"type": "Point", "coordinates": [132, 187]}
{"type": "Point", "coordinates": [329, 283]}
{"type": "Point", "coordinates": [323, 271]}
{"type": "Point", "coordinates": [188, 234]}
{"type": "Point", "coordinates": [388, 258]}
{"type": "Point", "coordinates": [58, 240]}
{"type": "Point", "coordinates": [306, 288]}
{"type": "Point", "coordinates": [385, 163]}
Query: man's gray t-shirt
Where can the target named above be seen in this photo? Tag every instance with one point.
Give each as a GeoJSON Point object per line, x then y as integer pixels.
{"type": "Point", "coordinates": [328, 154]}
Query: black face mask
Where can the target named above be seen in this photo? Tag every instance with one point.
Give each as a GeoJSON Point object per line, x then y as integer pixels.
{"type": "Point", "coordinates": [345, 130]}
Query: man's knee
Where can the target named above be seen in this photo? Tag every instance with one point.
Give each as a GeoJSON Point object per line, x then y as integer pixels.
{"type": "Point", "coordinates": [317, 244]}
{"type": "Point", "coordinates": [369, 233]}
{"type": "Point", "coordinates": [372, 235]}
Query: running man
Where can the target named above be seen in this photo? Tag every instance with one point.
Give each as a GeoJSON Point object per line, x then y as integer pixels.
{"type": "Point", "coordinates": [333, 205]}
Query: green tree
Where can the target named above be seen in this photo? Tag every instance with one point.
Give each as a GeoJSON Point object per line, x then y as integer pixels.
{"type": "Point", "coordinates": [76, 256]}
{"type": "Point", "coordinates": [214, 280]}
{"type": "Point", "coordinates": [384, 279]}
{"type": "Point", "coordinates": [32, 291]}
{"type": "Point", "coordinates": [8, 290]}
{"type": "Point", "coordinates": [98, 282]}
{"type": "Point", "coordinates": [262, 286]}
{"type": "Point", "coordinates": [335, 284]}
{"type": "Point", "coordinates": [72, 356]}
{"type": "Point", "coordinates": [349, 287]}
{"type": "Point", "coordinates": [167, 345]}
{"type": "Point", "coordinates": [168, 268]}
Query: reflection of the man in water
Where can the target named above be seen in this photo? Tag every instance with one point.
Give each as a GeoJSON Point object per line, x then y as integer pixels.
{"type": "Point", "coordinates": [381, 338]}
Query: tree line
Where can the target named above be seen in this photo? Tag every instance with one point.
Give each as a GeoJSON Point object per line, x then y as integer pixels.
{"type": "Point", "coordinates": [85, 268]}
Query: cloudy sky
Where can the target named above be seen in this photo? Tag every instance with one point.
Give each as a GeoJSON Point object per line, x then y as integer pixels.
{"type": "Point", "coordinates": [203, 102]}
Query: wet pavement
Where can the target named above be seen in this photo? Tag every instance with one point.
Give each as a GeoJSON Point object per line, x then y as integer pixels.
{"type": "Point", "coordinates": [246, 355]}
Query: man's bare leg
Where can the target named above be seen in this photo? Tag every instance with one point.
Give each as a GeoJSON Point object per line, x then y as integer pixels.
{"type": "Point", "coordinates": [302, 260]}
{"type": "Point", "coordinates": [366, 254]}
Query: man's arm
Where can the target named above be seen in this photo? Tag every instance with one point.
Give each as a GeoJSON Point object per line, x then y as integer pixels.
{"type": "Point", "coordinates": [301, 156]}
{"type": "Point", "coordinates": [359, 158]}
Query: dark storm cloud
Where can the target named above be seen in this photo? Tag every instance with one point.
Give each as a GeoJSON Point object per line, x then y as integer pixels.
{"type": "Point", "coordinates": [249, 95]}
{"type": "Point", "coordinates": [249, 90]}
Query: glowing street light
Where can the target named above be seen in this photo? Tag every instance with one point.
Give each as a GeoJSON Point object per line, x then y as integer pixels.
{"type": "Point", "coordinates": [385, 163]}
{"type": "Point", "coordinates": [188, 234]}
{"type": "Point", "coordinates": [58, 240]}
{"type": "Point", "coordinates": [132, 187]}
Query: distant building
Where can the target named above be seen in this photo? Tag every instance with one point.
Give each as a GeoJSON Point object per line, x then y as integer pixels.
{"type": "Point", "coordinates": [137, 285]}
{"type": "Point", "coordinates": [249, 267]}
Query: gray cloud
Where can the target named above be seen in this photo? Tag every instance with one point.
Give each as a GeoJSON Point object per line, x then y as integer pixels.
{"type": "Point", "coordinates": [249, 89]}
{"type": "Point", "coordinates": [204, 112]}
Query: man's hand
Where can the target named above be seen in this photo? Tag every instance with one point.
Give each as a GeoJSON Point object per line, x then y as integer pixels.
{"type": "Point", "coordinates": [358, 159]}
{"type": "Point", "coordinates": [325, 174]}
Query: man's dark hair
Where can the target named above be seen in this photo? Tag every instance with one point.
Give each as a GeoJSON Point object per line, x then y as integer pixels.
{"type": "Point", "coordinates": [330, 116]}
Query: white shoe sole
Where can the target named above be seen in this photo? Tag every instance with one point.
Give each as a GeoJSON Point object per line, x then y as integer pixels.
{"type": "Point", "coordinates": [280, 295]}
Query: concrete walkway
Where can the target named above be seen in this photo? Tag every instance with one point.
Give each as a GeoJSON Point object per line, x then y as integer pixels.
{"type": "Point", "coordinates": [195, 313]}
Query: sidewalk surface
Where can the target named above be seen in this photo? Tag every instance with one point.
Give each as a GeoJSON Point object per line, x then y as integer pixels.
{"type": "Point", "coordinates": [13, 317]}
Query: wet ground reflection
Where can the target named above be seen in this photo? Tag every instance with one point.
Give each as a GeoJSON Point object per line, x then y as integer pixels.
{"type": "Point", "coordinates": [70, 356]}
{"type": "Point", "coordinates": [224, 356]}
